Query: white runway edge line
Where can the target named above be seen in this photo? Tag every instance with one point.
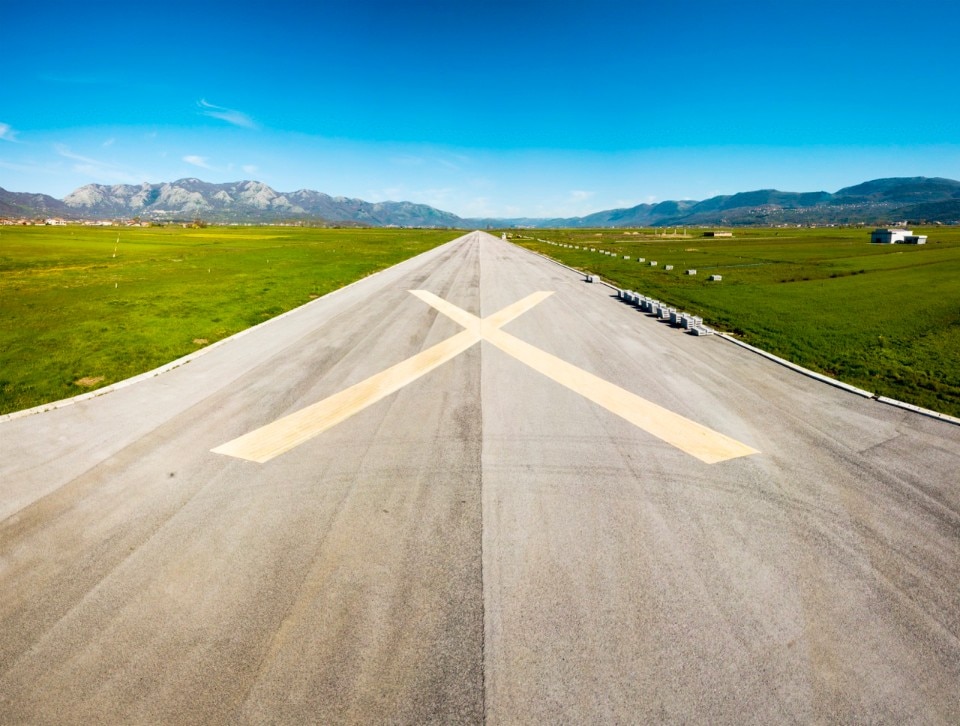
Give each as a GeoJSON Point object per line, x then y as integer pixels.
{"type": "Point", "coordinates": [793, 366]}
{"type": "Point", "coordinates": [63, 402]}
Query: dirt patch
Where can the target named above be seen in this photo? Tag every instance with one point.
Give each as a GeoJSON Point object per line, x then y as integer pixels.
{"type": "Point", "coordinates": [88, 381]}
{"type": "Point", "coordinates": [200, 341]}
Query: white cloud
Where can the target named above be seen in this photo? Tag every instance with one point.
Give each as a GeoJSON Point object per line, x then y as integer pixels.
{"type": "Point", "coordinates": [250, 168]}
{"type": "Point", "coordinates": [231, 116]}
{"type": "Point", "coordinates": [578, 195]}
{"type": "Point", "coordinates": [200, 161]}
{"type": "Point", "coordinates": [7, 133]}
{"type": "Point", "coordinates": [64, 151]}
{"type": "Point", "coordinates": [98, 169]}
{"type": "Point", "coordinates": [108, 142]}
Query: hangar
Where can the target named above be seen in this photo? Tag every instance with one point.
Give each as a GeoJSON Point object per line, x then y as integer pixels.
{"type": "Point", "coordinates": [897, 237]}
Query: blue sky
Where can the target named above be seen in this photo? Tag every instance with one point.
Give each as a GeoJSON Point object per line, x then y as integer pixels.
{"type": "Point", "coordinates": [520, 108]}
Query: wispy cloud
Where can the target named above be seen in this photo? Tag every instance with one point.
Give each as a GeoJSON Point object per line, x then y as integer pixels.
{"type": "Point", "coordinates": [250, 168]}
{"type": "Point", "coordinates": [578, 195]}
{"type": "Point", "coordinates": [200, 161]}
{"type": "Point", "coordinates": [108, 142]}
{"type": "Point", "coordinates": [65, 152]}
{"type": "Point", "coordinates": [231, 116]}
{"type": "Point", "coordinates": [7, 132]}
{"type": "Point", "coordinates": [96, 168]}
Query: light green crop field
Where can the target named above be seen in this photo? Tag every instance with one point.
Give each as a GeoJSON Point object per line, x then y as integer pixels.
{"type": "Point", "coordinates": [882, 317]}
{"type": "Point", "coordinates": [78, 310]}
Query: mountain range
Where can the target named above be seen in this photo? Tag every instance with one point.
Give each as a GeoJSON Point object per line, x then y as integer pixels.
{"type": "Point", "coordinates": [881, 201]}
{"type": "Point", "coordinates": [243, 201]}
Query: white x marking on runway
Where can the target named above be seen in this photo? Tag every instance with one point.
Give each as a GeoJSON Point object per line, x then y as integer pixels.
{"type": "Point", "coordinates": [289, 432]}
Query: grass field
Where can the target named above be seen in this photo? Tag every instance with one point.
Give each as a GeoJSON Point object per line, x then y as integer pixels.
{"type": "Point", "coordinates": [79, 311]}
{"type": "Point", "coordinates": [882, 317]}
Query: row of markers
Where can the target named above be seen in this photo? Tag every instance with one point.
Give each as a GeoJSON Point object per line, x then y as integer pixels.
{"type": "Point", "coordinates": [693, 324]}
{"type": "Point", "coordinates": [652, 263]}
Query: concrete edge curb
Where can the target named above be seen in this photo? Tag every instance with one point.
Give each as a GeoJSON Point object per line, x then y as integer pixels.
{"type": "Point", "coordinates": [793, 366]}
{"type": "Point", "coordinates": [566, 267]}
{"type": "Point", "coordinates": [918, 409]}
{"type": "Point", "coordinates": [799, 369]}
{"type": "Point", "coordinates": [166, 367]}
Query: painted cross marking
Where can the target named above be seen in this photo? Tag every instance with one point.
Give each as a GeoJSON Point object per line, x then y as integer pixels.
{"type": "Point", "coordinates": [267, 442]}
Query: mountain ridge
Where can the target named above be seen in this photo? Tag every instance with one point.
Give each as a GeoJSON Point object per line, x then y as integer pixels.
{"type": "Point", "coordinates": [879, 201]}
{"type": "Point", "coordinates": [246, 201]}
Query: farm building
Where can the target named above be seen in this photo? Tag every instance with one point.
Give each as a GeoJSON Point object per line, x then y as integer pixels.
{"type": "Point", "coordinates": [897, 237]}
{"type": "Point", "coordinates": [718, 234]}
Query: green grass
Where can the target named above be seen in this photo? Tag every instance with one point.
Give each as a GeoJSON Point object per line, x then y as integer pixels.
{"type": "Point", "coordinates": [882, 317]}
{"type": "Point", "coordinates": [70, 310]}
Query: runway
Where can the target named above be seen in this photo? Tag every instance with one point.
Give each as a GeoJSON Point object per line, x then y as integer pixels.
{"type": "Point", "coordinates": [474, 488]}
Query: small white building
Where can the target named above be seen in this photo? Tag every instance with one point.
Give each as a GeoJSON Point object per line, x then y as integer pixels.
{"type": "Point", "coordinates": [897, 237]}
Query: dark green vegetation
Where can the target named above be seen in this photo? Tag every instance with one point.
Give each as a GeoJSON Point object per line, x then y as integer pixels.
{"type": "Point", "coordinates": [879, 201]}
{"type": "Point", "coordinates": [882, 317]}
{"type": "Point", "coordinates": [74, 317]}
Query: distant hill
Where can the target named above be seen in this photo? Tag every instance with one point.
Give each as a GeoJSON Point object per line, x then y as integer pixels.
{"type": "Point", "coordinates": [881, 201]}
{"type": "Point", "coordinates": [908, 190]}
{"type": "Point", "coordinates": [20, 204]}
{"type": "Point", "coordinates": [245, 201]}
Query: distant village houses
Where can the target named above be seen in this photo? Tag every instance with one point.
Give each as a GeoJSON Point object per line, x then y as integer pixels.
{"type": "Point", "coordinates": [897, 237]}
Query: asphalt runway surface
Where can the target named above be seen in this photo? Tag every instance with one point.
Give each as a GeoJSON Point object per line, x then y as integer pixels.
{"type": "Point", "coordinates": [482, 534]}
